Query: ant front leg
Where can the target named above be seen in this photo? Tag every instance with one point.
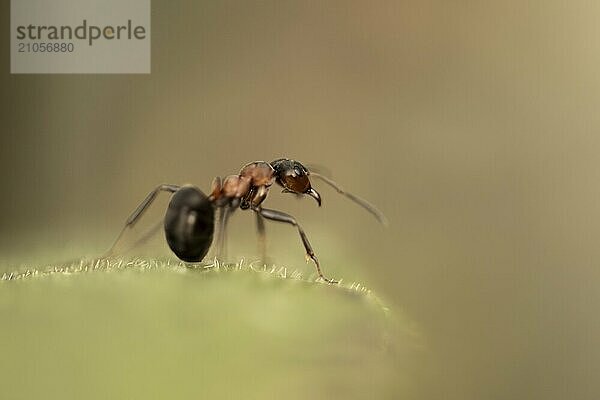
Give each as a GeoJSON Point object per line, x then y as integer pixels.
{"type": "Point", "coordinates": [139, 211]}
{"type": "Point", "coordinates": [279, 216]}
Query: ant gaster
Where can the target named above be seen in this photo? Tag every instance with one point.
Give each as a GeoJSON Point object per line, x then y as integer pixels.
{"type": "Point", "coordinates": [190, 217]}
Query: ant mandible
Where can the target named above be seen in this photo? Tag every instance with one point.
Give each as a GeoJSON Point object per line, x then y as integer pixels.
{"type": "Point", "coordinates": [190, 217]}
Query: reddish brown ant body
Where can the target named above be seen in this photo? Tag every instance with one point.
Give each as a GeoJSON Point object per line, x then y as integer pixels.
{"type": "Point", "coordinates": [190, 217]}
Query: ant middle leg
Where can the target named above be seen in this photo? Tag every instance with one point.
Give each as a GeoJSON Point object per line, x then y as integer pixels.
{"type": "Point", "coordinates": [279, 216]}
{"type": "Point", "coordinates": [262, 237]}
{"type": "Point", "coordinates": [139, 211]}
{"type": "Point", "coordinates": [221, 245]}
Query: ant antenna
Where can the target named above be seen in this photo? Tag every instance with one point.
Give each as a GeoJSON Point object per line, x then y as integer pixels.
{"type": "Point", "coordinates": [360, 201]}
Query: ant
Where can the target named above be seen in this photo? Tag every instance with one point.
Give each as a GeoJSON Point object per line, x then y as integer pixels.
{"type": "Point", "coordinates": [190, 217]}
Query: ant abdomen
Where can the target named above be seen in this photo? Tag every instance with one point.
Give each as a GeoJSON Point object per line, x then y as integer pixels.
{"type": "Point", "coordinates": [189, 224]}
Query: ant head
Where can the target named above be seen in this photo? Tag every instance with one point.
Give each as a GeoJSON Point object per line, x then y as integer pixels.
{"type": "Point", "coordinates": [293, 176]}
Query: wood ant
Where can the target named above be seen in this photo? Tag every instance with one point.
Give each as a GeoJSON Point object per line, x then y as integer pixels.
{"type": "Point", "coordinates": [190, 217]}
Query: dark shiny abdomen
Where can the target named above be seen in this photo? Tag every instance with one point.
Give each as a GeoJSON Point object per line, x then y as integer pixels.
{"type": "Point", "coordinates": [189, 224]}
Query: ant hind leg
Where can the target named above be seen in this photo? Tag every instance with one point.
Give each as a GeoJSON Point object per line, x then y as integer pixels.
{"type": "Point", "coordinates": [139, 211]}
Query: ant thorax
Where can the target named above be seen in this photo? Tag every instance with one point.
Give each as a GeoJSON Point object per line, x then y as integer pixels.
{"type": "Point", "coordinates": [261, 173]}
{"type": "Point", "coordinates": [249, 188]}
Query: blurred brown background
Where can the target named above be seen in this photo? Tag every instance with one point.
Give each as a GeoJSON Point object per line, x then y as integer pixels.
{"type": "Point", "coordinates": [473, 125]}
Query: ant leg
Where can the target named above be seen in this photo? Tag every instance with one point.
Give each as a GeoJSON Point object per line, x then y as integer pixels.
{"type": "Point", "coordinates": [221, 248]}
{"type": "Point", "coordinates": [220, 229]}
{"type": "Point", "coordinates": [139, 211]}
{"type": "Point", "coordinates": [262, 237]}
{"type": "Point", "coordinates": [279, 216]}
